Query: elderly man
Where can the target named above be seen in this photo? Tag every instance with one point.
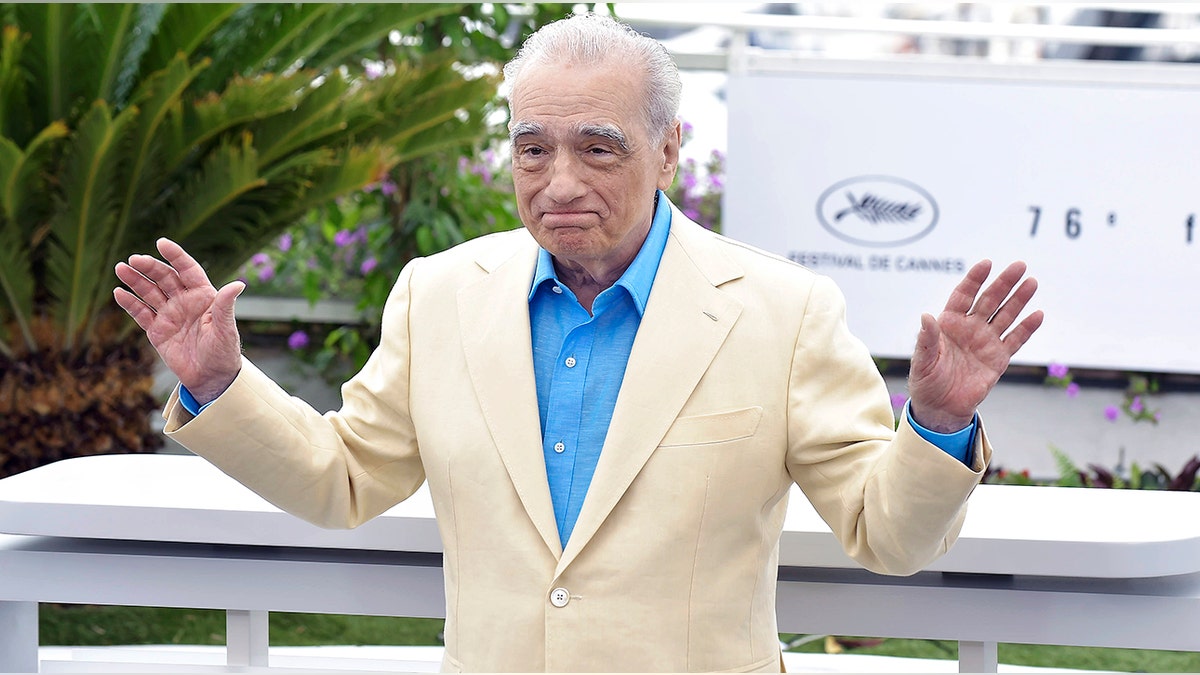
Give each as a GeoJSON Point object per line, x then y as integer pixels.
{"type": "Point", "coordinates": [611, 405]}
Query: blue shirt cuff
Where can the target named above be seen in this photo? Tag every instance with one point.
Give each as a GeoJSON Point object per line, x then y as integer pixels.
{"type": "Point", "coordinates": [959, 445]}
{"type": "Point", "coordinates": [190, 403]}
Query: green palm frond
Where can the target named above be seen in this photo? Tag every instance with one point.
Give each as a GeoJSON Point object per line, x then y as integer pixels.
{"type": "Point", "coordinates": [184, 27]}
{"type": "Point", "coordinates": [219, 125]}
{"type": "Point", "coordinates": [347, 34]}
{"type": "Point", "coordinates": [107, 38]}
{"type": "Point", "coordinates": [46, 59]}
{"type": "Point", "coordinates": [84, 223]}
{"type": "Point", "coordinates": [14, 112]}
{"type": "Point", "coordinates": [228, 172]}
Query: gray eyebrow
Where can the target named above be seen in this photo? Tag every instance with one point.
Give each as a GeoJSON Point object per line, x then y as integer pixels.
{"type": "Point", "coordinates": [608, 131]}
{"type": "Point", "coordinates": [525, 129]}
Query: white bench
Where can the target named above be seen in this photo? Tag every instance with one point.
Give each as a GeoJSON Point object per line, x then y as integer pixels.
{"type": "Point", "coordinates": [1039, 565]}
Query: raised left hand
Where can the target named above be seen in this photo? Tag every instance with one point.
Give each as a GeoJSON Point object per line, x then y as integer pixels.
{"type": "Point", "coordinates": [962, 353]}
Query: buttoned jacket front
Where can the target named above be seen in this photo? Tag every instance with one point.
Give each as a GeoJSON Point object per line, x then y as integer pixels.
{"type": "Point", "coordinates": [742, 379]}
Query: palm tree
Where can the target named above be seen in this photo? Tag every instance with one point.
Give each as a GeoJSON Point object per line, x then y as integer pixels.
{"type": "Point", "coordinates": [218, 125]}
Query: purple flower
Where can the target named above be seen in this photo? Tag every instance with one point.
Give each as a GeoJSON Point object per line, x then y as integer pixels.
{"type": "Point", "coordinates": [285, 242]}
{"type": "Point", "coordinates": [715, 181]}
{"type": "Point", "coordinates": [266, 274]}
{"type": "Point", "coordinates": [1056, 370]}
{"type": "Point", "coordinates": [260, 259]}
{"type": "Point", "coordinates": [1111, 412]}
{"type": "Point", "coordinates": [689, 181]}
{"type": "Point", "coordinates": [688, 128]}
{"type": "Point", "coordinates": [368, 265]}
{"type": "Point", "coordinates": [298, 340]}
{"type": "Point", "coordinates": [343, 238]}
{"type": "Point", "coordinates": [388, 188]}
{"type": "Point", "coordinates": [898, 401]}
{"type": "Point", "coordinates": [692, 213]}
{"type": "Point", "coordinates": [374, 70]}
{"type": "Point", "coordinates": [1136, 406]}
{"type": "Point", "coordinates": [1072, 390]}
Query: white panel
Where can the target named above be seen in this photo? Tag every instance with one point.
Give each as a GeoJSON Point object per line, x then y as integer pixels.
{"type": "Point", "coordinates": [955, 165]}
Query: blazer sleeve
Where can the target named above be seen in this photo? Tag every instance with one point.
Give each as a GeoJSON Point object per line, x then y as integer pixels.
{"type": "Point", "coordinates": [336, 470]}
{"type": "Point", "coordinates": [895, 501]}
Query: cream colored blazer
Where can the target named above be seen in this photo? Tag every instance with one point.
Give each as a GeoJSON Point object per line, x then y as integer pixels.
{"type": "Point", "coordinates": [743, 378]}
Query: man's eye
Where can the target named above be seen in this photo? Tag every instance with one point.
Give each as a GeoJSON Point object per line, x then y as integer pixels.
{"type": "Point", "coordinates": [599, 151]}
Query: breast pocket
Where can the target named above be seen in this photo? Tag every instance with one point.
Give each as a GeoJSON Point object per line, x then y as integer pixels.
{"type": "Point", "coordinates": [714, 428]}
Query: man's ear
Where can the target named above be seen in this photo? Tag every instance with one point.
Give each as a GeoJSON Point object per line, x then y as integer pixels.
{"type": "Point", "coordinates": [670, 153]}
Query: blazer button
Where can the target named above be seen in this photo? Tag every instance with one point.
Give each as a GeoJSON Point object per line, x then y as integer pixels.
{"type": "Point", "coordinates": [559, 597]}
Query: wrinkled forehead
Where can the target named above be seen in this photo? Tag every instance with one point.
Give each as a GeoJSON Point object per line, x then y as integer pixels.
{"type": "Point", "coordinates": [604, 98]}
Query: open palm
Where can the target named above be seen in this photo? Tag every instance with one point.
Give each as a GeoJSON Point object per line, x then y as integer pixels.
{"type": "Point", "coordinates": [187, 320]}
{"type": "Point", "coordinates": [962, 353]}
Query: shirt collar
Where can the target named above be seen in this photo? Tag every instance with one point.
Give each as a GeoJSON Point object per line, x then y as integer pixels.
{"type": "Point", "coordinates": [639, 276]}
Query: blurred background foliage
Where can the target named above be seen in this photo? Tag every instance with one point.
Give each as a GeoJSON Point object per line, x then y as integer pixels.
{"type": "Point", "coordinates": [220, 126]}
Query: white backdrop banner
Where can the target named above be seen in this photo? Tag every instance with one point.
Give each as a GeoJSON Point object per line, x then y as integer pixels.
{"type": "Point", "coordinates": [895, 180]}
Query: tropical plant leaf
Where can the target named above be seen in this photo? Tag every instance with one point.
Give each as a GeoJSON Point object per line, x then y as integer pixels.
{"type": "Point", "coordinates": [46, 59]}
{"type": "Point", "coordinates": [14, 112]}
{"type": "Point", "coordinates": [84, 223]}
{"type": "Point", "coordinates": [21, 190]}
{"type": "Point", "coordinates": [16, 276]}
{"type": "Point", "coordinates": [142, 173]}
{"type": "Point", "coordinates": [184, 27]}
{"type": "Point", "coordinates": [227, 173]}
{"type": "Point", "coordinates": [243, 102]}
{"type": "Point", "coordinates": [316, 117]}
{"type": "Point", "coordinates": [108, 43]}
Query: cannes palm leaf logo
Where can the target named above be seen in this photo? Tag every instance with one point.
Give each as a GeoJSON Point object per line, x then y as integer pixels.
{"type": "Point", "coordinates": [877, 210]}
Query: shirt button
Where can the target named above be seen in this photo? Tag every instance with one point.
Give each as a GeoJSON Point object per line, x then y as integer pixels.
{"type": "Point", "coordinates": [559, 447]}
{"type": "Point", "coordinates": [559, 597]}
{"type": "Point", "coordinates": [556, 289]}
{"type": "Point", "coordinates": [570, 361]}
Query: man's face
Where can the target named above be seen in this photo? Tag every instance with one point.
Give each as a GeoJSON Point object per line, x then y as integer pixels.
{"type": "Point", "coordinates": [584, 166]}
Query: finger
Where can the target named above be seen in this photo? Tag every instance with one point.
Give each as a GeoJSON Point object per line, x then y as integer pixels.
{"type": "Point", "coordinates": [146, 290]}
{"type": "Point", "coordinates": [190, 272]}
{"type": "Point", "coordinates": [1024, 330]}
{"type": "Point", "coordinates": [223, 304]}
{"type": "Point", "coordinates": [998, 290]}
{"type": "Point", "coordinates": [928, 339]}
{"type": "Point", "coordinates": [964, 293]}
{"type": "Point", "coordinates": [140, 311]}
{"type": "Point", "coordinates": [162, 274]}
{"type": "Point", "coordinates": [1012, 308]}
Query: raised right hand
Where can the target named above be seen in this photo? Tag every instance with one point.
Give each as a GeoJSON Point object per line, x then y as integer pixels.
{"type": "Point", "coordinates": [188, 321]}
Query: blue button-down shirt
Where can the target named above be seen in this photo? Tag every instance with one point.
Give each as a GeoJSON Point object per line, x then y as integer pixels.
{"type": "Point", "coordinates": [579, 361]}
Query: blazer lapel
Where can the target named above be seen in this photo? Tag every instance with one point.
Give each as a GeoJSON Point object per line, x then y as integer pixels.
{"type": "Point", "coordinates": [494, 315]}
{"type": "Point", "coordinates": [687, 319]}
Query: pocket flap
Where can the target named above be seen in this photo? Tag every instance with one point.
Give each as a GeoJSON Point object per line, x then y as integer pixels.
{"type": "Point", "coordinates": [714, 428]}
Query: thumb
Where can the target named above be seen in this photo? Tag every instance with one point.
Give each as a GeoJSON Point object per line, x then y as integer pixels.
{"type": "Point", "coordinates": [928, 338]}
{"type": "Point", "coordinates": [222, 305]}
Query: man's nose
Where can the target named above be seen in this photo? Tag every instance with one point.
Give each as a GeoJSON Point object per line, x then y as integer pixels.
{"type": "Point", "coordinates": [566, 179]}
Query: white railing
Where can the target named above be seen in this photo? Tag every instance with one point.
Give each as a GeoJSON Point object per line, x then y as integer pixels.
{"type": "Point", "coordinates": [1034, 565]}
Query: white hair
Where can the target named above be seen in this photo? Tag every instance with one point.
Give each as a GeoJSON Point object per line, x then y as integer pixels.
{"type": "Point", "coordinates": [594, 38]}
